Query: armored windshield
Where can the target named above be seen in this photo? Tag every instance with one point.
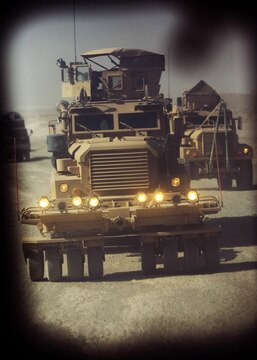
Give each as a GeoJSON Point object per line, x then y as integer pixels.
{"type": "Point", "coordinates": [213, 119]}
{"type": "Point", "coordinates": [203, 119]}
{"type": "Point", "coordinates": [144, 120]}
{"type": "Point", "coordinates": [93, 122]}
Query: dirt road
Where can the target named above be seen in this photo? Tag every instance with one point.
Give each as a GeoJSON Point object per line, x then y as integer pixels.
{"type": "Point", "coordinates": [128, 313]}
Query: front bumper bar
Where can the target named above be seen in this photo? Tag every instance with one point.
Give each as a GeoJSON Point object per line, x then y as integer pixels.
{"type": "Point", "coordinates": [119, 219]}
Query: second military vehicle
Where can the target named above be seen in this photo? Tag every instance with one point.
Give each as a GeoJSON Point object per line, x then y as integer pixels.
{"type": "Point", "coordinates": [116, 176]}
{"type": "Point", "coordinates": [15, 143]}
{"type": "Point", "coordinates": [209, 144]}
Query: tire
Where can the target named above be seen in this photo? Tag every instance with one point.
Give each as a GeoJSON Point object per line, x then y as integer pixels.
{"type": "Point", "coordinates": [191, 256]}
{"type": "Point", "coordinates": [54, 264]}
{"type": "Point", "coordinates": [19, 156]}
{"type": "Point", "coordinates": [95, 262]}
{"type": "Point", "coordinates": [244, 179]}
{"type": "Point", "coordinates": [148, 258]}
{"type": "Point", "coordinates": [211, 252]}
{"type": "Point", "coordinates": [35, 265]}
{"type": "Point", "coordinates": [75, 264]}
{"type": "Point", "coordinates": [27, 155]}
{"type": "Point", "coordinates": [170, 256]}
{"type": "Point", "coordinates": [226, 183]}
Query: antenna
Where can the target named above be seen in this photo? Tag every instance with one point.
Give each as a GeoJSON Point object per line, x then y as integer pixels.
{"type": "Point", "coordinates": [16, 178]}
{"type": "Point", "coordinates": [74, 31]}
{"type": "Point", "coordinates": [168, 68]}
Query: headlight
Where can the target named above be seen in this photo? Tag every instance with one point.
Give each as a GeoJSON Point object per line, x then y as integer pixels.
{"type": "Point", "coordinates": [245, 150]}
{"type": "Point", "coordinates": [93, 202]}
{"type": "Point", "coordinates": [158, 197]}
{"type": "Point", "coordinates": [44, 202]}
{"type": "Point", "coordinates": [175, 181]}
{"type": "Point", "coordinates": [77, 201]}
{"type": "Point", "coordinates": [64, 188]}
{"type": "Point", "coordinates": [141, 198]}
{"type": "Point", "coordinates": [192, 196]}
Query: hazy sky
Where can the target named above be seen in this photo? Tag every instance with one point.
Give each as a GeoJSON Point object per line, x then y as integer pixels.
{"type": "Point", "coordinates": [37, 42]}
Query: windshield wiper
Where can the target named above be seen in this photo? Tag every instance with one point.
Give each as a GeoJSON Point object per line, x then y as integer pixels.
{"type": "Point", "coordinates": [87, 129]}
{"type": "Point", "coordinates": [131, 128]}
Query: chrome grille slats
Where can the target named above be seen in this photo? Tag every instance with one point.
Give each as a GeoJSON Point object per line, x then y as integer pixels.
{"type": "Point", "coordinates": [120, 170]}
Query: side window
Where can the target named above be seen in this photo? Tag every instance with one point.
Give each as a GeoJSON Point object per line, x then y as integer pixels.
{"type": "Point", "coordinates": [140, 83]}
{"type": "Point", "coordinates": [81, 73]}
{"type": "Point", "coordinates": [67, 75]}
{"type": "Point", "coordinates": [115, 82]}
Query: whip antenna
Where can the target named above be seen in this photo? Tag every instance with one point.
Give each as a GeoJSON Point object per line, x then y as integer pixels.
{"type": "Point", "coordinates": [74, 31]}
{"type": "Point", "coordinates": [168, 68]}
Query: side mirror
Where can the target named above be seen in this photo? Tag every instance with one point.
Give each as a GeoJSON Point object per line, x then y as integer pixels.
{"type": "Point", "coordinates": [240, 123]}
{"type": "Point", "coordinates": [169, 107]}
{"type": "Point", "coordinates": [179, 101]}
{"type": "Point", "coordinates": [57, 143]}
{"type": "Point", "coordinates": [178, 127]}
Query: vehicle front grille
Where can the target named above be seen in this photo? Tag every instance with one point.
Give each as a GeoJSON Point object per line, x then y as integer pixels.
{"type": "Point", "coordinates": [208, 140]}
{"type": "Point", "coordinates": [121, 170]}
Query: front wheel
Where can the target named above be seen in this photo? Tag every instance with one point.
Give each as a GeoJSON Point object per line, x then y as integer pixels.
{"type": "Point", "coordinates": [54, 264]}
{"type": "Point", "coordinates": [244, 179]}
{"type": "Point", "coordinates": [170, 256]}
{"type": "Point", "coordinates": [95, 262]}
{"type": "Point", "coordinates": [27, 155]}
{"type": "Point", "coordinates": [226, 183]}
{"type": "Point", "coordinates": [191, 256]}
{"type": "Point", "coordinates": [75, 264]}
{"type": "Point", "coordinates": [35, 265]}
{"type": "Point", "coordinates": [211, 252]}
{"type": "Point", "coordinates": [148, 258]}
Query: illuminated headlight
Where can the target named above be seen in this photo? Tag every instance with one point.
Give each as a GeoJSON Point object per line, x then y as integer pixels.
{"type": "Point", "coordinates": [64, 188]}
{"type": "Point", "coordinates": [245, 150]}
{"type": "Point", "coordinates": [77, 201]}
{"type": "Point", "coordinates": [175, 181]}
{"type": "Point", "coordinates": [192, 196]}
{"type": "Point", "coordinates": [93, 202]}
{"type": "Point", "coordinates": [141, 198]}
{"type": "Point", "coordinates": [44, 202]}
{"type": "Point", "coordinates": [159, 197]}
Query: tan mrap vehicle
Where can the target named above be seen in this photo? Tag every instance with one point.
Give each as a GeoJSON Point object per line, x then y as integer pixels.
{"type": "Point", "coordinates": [115, 180]}
{"type": "Point", "coordinates": [210, 144]}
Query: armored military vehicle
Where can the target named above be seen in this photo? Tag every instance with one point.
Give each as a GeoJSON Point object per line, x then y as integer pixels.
{"type": "Point", "coordinates": [209, 143]}
{"type": "Point", "coordinates": [15, 141]}
{"type": "Point", "coordinates": [116, 176]}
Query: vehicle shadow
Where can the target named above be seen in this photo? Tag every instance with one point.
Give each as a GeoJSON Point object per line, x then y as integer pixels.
{"type": "Point", "coordinates": [39, 158]}
{"type": "Point", "coordinates": [234, 267]}
{"type": "Point", "coordinates": [233, 189]}
{"type": "Point", "coordinates": [139, 275]}
{"type": "Point", "coordinates": [237, 231]}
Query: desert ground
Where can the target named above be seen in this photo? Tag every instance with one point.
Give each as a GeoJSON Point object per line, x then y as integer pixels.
{"type": "Point", "coordinates": [128, 313]}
